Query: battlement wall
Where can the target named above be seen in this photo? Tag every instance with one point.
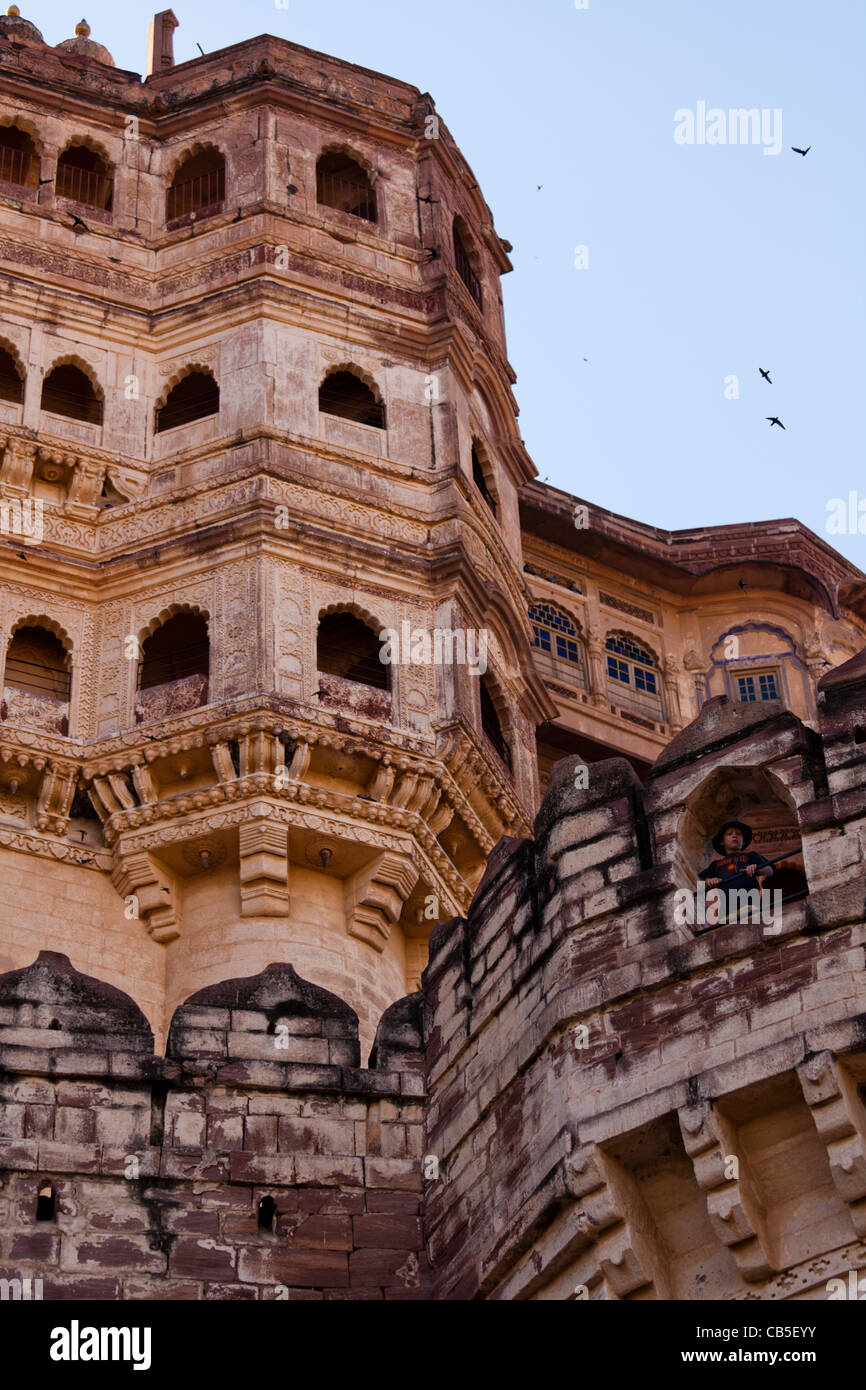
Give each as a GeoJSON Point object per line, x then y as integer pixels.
{"type": "Point", "coordinates": [157, 1168]}
{"type": "Point", "coordinates": [622, 1104]}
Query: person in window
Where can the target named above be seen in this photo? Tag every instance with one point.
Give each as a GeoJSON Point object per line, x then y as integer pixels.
{"type": "Point", "coordinates": [730, 843]}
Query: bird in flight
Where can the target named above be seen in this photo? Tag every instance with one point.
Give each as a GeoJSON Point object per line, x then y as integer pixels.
{"type": "Point", "coordinates": [774, 420]}
{"type": "Point", "coordinates": [41, 181]}
{"type": "Point", "coordinates": [77, 222]}
{"type": "Point", "coordinates": [539, 187]}
{"type": "Point", "coordinates": [802, 152]}
{"type": "Point", "coordinates": [766, 376]}
{"type": "Point", "coordinates": [743, 585]}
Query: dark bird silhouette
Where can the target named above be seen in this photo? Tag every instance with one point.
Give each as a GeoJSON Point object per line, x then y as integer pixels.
{"type": "Point", "coordinates": [20, 555]}
{"type": "Point", "coordinates": [472, 186]}
{"type": "Point", "coordinates": [743, 585]}
{"type": "Point", "coordinates": [77, 222]}
{"type": "Point", "coordinates": [41, 181]}
{"type": "Point", "coordinates": [237, 216]}
{"type": "Point", "coordinates": [290, 189]}
{"type": "Point", "coordinates": [539, 187]}
{"type": "Point", "coordinates": [802, 152]}
{"type": "Point", "coordinates": [428, 199]}
{"type": "Point", "coordinates": [765, 375]}
{"type": "Point", "coordinates": [774, 420]}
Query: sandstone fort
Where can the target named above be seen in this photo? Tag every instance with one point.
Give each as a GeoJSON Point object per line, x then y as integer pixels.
{"type": "Point", "coordinates": [328, 977]}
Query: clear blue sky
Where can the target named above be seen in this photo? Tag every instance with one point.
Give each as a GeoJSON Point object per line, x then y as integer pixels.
{"type": "Point", "coordinates": [704, 261]}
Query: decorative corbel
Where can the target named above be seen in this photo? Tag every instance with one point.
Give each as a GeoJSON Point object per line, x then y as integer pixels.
{"type": "Point", "coordinates": [734, 1210]}
{"type": "Point", "coordinates": [54, 799]}
{"type": "Point", "coordinates": [375, 896]}
{"type": "Point", "coordinates": [136, 876]}
{"type": "Point", "coordinates": [831, 1094]}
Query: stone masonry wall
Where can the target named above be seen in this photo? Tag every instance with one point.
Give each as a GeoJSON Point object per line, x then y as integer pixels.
{"type": "Point", "coordinates": [622, 1107]}
{"type": "Point", "coordinates": [158, 1165]}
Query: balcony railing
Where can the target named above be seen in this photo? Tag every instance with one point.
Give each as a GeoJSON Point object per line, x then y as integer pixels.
{"type": "Point", "coordinates": [175, 697]}
{"type": "Point", "coordinates": [346, 195]}
{"type": "Point", "coordinates": [85, 186]}
{"type": "Point", "coordinates": [202, 195]}
{"type": "Point", "coordinates": [15, 165]}
{"type": "Point", "coordinates": [45, 711]}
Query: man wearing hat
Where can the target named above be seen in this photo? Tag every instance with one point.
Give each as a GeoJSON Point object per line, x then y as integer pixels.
{"type": "Point", "coordinates": [730, 842]}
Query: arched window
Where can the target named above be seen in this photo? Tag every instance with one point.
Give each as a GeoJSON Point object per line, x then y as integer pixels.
{"type": "Point", "coordinates": [345, 395]}
{"type": "Point", "coordinates": [175, 651]}
{"type": "Point", "coordinates": [19, 162]}
{"type": "Point", "coordinates": [174, 668]}
{"type": "Point", "coordinates": [195, 396]}
{"type": "Point", "coordinates": [84, 177]}
{"type": "Point", "coordinates": [463, 261]}
{"type": "Point", "coordinates": [38, 680]}
{"type": "Point", "coordinates": [198, 186]}
{"type": "Point", "coordinates": [347, 647]}
{"type": "Point", "coordinates": [491, 724]}
{"type": "Point", "coordinates": [481, 476]}
{"type": "Point", "coordinates": [632, 675]}
{"type": "Point", "coordinates": [67, 390]}
{"type": "Point", "coordinates": [11, 383]}
{"type": "Point", "coordinates": [341, 183]}
{"type": "Point", "coordinates": [555, 632]}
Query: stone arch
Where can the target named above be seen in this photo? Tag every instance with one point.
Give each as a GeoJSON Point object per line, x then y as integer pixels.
{"type": "Point", "coordinates": [172, 611]}
{"type": "Point", "coordinates": [201, 405]}
{"type": "Point", "coordinates": [345, 182]}
{"type": "Point", "coordinates": [350, 606]}
{"type": "Point", "coordinates": [204, 188]}
{"type": "Point", "coordinates": [50, 624]}
{"type": "Point", "coordinates": [90, 409]}
{"type": "Point", "coordinates": [467, 258]}
{"type": "Point", "coordinates": [342, 147]}
{"type": "Point", "coordinates": [752, 794]}
{"type": "Point", "coordinates": [795, 655]}
{"type": "Point", "coordinates": [638, 640]}
{"type": "Point", "coordinates": [484, 475]}
{"type": "Point", "coordinates": [12, 373]}
{"type": "Point", "coordinates": [22, 122]}
{"type": "Point", "coordinates": [490, 685]}
{"type": "Point", "coordinates": [354, 370]}
{"type": "Point", "coordinates": [346, 392]}
{"type": "Point", "coordinates": [346, 652]}
{"type": "Point", "coordinates": [95, 187]}
{"type": "Point", "coordinates": [195, 150]}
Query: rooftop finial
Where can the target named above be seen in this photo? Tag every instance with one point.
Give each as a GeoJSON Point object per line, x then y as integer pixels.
{"type": "Point", "coordinates": [13, 10]}
{"type": "Point", "coordinates": [82, 29]}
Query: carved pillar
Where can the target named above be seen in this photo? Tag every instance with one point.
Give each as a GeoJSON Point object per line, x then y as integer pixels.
{"type": "Point", "coordinates": [17, 468]}
{"type": "Point", "coordinates": [670, 675]}
{"type": "Point", "coordinates": [695, 665]}
{"type": "Point", "coordinates": [264, 868]}
{"type": "Point", "coordinates": [595, 668]}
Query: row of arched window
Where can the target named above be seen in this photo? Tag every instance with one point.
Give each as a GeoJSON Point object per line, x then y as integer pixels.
{"type": "Point", "coordinates": [68, 390]}
{"type": "Point", "coordinates": [198, 188]}
{"type": "Point", "coordinates": [39, 668]}
{"type": "Point", "coordinates": [631, 668]}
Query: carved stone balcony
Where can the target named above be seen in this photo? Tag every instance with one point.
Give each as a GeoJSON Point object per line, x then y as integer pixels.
{"type": "Point", "coordinates": [174, 697]}
{"type": "Point", "coordinates": [363, 700]}
{"type": "Point", "coordinates": [35, 711]}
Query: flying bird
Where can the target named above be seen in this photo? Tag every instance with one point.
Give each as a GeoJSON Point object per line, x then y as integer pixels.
{"type": "Point", "coordinates": [765, 375]}
{"type": "Point", "coordinates": [77, 222]}
{"type": "Point", "coordinates": [743, 585]}
{"type": "Point", "coordinates": [774, 420]}
{"type": "Point", "coordinates": [41, 181]}
{"type": "Point", "coordinates": [428, 199]}
{"type": "Point", "coordinates": [802, 152]}
{"type": "Point", "coordinates": [539, 187]}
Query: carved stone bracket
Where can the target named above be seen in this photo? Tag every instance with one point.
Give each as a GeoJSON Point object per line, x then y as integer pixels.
{"type": "Point", "coordinates": [831, 1094]}
{"type": "Point", "coordinates": [137, 874]}
{"type": "Point", "coordinates": [56, 791]}
{"type": "Point", "coordinates": [375, 895]}
{"type": "Point", "coordinates": [264, 869]}
{"type": "Point", "coordinates": [734, 1211]}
